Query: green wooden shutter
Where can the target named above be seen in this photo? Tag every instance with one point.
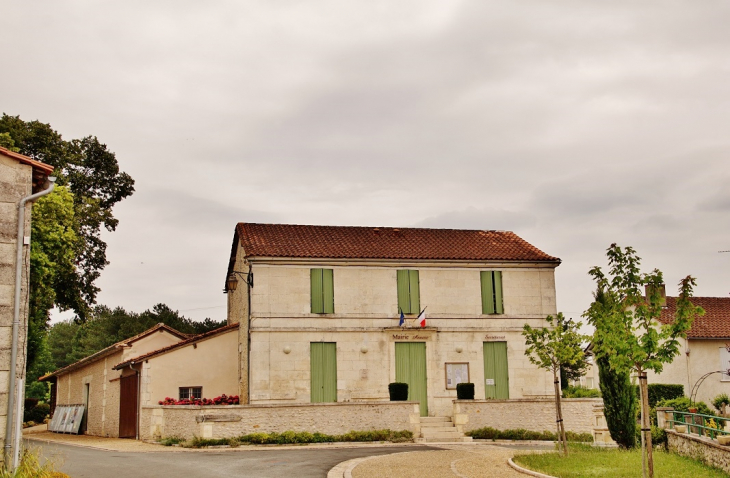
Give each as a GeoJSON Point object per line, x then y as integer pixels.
{"type": "Point", "coordinates": [487, 293]}
{"type": "Point", "coordinates": [317, 296]}
{"type": "Point", "coordinates": [415, 292]}
{"type": "Point", "coordinates": [404, 297]}
{"type": "Point", "coordinates": [498, 306]}
{"type": "Point", "coordinates": [496, 371]}
{"type": "Point", "coordinates": [410, 368]}
{"type": "Point", "coordinates": [328, 291]}
{"type": "Point", "coordinates": [323, 368]}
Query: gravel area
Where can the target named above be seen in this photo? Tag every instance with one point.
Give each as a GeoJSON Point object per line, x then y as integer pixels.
{"type": "Point", "coordinates": [462, 461]}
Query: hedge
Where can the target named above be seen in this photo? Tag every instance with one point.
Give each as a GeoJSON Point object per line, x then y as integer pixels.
{"type": "Point", "coordinates": [661, 391]}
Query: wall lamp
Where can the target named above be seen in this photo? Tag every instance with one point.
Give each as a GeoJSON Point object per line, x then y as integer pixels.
{"type": "Point", "coordinates": [232, 281]}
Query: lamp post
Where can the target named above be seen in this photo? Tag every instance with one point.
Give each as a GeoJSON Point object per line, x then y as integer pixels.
{"type": "Point", "coordinates": [232, 281]}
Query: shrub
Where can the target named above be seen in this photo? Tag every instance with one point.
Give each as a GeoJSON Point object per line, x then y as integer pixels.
{"type": "Point", "coordinates": [720, 400]}
{"type": "Point", "coordinates": [660, 391]}
{"type": "Point", "coordinates": [221, 400]}
{"type": "Point", "coordinates": [465, 391]}
{"type": "Point", "coordinates": [37, 414]}
{"type": "Point", "coordinates": [291, 437]}
{"type": "Point", "coordinates": [619, 402]}
{"type": "Point", "coordinates": [681, 404]}
{"type": "Point", "coordinates": [489, 433]}
{"type": "Point", "coordinates": [580, 392]}
{"type": "Point", "coordinates": [173, 440]}
{"type": "Point", "coordinates": [398, 391]}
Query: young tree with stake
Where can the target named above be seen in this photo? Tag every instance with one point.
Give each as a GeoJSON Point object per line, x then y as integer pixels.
{"type": "Point", "coordinates": [553, 347]}
{"type": "Point", "coordinates": [628, 326]}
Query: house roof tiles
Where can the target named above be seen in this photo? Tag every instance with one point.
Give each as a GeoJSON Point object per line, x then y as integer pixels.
{"type": "Point", "coordinates": [113, 349]}
{"type": "Point", "coordinates": [169, 348]}
{"type": "Point", "coordinates": [351, 242]}
{"type": "Point", "coordinates": [37, 165]}
{"type": "Point", "coordinates": [715, 324]}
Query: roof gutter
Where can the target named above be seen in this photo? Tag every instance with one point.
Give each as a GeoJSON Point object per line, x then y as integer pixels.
{"type": "Point", "coordinates": [16, 318]}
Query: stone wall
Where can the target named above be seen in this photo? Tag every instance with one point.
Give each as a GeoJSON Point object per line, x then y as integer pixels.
{"type": "Point", "coordinates": [235, 420]}
{"type": "Point", "coordinates": [701, 449]}
{"type": "Point", "coordinates": [15, 184]}
{"type": "Point", "coordinates": [579, 414]}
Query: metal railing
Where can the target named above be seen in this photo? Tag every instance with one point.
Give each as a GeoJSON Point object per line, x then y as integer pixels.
{"type": "Point", "coordinates": [699, 424]}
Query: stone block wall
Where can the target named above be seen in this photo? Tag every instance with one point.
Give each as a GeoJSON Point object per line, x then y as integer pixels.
{"type": "Point", "coordinates": [698, 448]}
{"type": "Point", "coordinates": [15, 184]}
{"type": "Point", "coordinates": [235, 420]}
{"type": "Point", "coordinates": [579, 414]}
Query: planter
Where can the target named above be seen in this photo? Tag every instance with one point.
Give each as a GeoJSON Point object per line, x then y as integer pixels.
{"type": "Point", "coordinates": [692, 410]}
{"type": "Point", "coordinates": [680, 428]}
{"type": "Point", "coordinates": [723, 440]}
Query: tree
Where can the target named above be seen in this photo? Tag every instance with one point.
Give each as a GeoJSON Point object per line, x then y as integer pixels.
{"type": "Point", "coordinates": [619, 398]}
{"type": "Point", "coordinates": [553, 347]}
{"type": "Point", "coordinates": [630, 333]}
{"type": "Point", "coordinates": [52, 260]}
{"type": "Point", "coordinates": [91, 173]}
{"type": "Point", "coordinates": [70, 341]}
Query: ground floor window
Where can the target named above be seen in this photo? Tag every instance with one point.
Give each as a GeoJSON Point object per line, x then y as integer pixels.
{"type": "Point", "coordinates": [188, 393]}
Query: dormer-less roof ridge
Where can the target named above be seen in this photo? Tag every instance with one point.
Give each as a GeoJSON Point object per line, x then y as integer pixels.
{"type": "Point", "coordinates": [396, 243]}
{"type": "Point", "coordinates": [190, 340]}
{"type": "Point", "coordinates": [115, 348]}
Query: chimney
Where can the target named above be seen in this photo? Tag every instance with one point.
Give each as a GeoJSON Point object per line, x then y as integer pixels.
{"type": "Point", "coordinates": [662, 295]}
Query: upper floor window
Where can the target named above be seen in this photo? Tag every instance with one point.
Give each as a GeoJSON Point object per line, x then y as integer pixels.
{"type": "Point", "coordinates": [323, 291]}
{"type": "Point", "coordinates": [408, 292]}
{"type": "Point", "coordinates": [492, 292]}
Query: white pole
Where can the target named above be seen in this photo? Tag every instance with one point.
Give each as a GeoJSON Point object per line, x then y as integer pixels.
{"type": "Point", "coordinates": [18, 424]}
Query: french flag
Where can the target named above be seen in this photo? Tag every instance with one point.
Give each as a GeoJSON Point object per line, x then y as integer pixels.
{"type": "Point", "coordinates": [422, 318]}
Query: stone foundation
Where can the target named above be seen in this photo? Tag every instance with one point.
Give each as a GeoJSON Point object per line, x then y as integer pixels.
{"type": "Point", "coordinates": [236, 420]}
{"type": "Point", "coordinates": [700, 448]}
{"type": "Point", "coordinates": [580, 415]}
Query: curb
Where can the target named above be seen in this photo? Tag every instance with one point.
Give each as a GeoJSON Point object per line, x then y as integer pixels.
{"type": "Point", "coordinates": [526, 471]}
{"type": "Point", "coordinates": [344, 469]}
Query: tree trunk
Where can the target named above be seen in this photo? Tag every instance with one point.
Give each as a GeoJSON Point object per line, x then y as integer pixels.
{"type": "Point", "coordinates": [646, 423]}
{"type": "Point", "coordinates": [559, 415]}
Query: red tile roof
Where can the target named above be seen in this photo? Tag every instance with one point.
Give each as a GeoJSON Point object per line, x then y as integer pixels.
{"type": "Point", "coordinates": [37, 165]}
{"type": "Point", "coordinates": [715, 324]}
{"type": "Point", "coordinates": [113, 349]}
{"type": "Point", "coordinates": [169, 348]}
{"type": "Point", "coordinates": [348, 242]}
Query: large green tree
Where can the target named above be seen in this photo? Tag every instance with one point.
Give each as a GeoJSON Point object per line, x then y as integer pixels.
{"type": "Point", "coordinates": [552, 348]}
{"type": "Point", "coordinates": [631, 335]}
{"type": "Point", "coordinates": [70, 341]}
{"type": "Point", "coordinates": [91, 173]}
{"type": "Point", "coordinates": [67, 251]}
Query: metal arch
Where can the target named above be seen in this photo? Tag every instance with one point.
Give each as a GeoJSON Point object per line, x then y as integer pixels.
{"type": "Point", "coordinates": [697, 384]}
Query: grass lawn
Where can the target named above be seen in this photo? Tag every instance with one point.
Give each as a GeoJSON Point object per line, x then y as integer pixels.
{"type": "Point", "coordinates": [587, 461]}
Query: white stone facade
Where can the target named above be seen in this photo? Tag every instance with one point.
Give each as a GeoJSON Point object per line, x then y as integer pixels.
{"type": "Point", "coordinates": [278, 326]}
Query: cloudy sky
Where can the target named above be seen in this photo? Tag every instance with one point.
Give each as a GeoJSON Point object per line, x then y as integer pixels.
{"type": "Point", "coordinates": [574, 124]}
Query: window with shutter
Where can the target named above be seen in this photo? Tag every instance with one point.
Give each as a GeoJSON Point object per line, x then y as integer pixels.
{"type": "Point", "coordinates": [323, 291]}
{"type": "Point", "coordinates": [492, 302]}
{"type": "Point", "coordinates": [408, 292]}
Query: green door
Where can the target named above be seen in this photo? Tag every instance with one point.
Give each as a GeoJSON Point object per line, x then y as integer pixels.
{"type": "Point", "coordinates": [496, 376]}
{"type": "Point", "coordinates": [323, 367]}
{"type": "Point", "coordinates": [410, 368]}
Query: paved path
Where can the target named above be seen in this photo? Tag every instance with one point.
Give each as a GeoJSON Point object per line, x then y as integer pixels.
{"type": "Point", "coordinates": [86, 456]}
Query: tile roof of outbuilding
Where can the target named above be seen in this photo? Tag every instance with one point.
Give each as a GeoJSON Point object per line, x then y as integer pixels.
{"type": "Point", "coordinates": [169, 348]}
{"type": "Point", "coordinates": [114, 348]}
{"type": "Point", "coordinates": [352, 242]}
{"type": "Point", "coordinates": [715, 324]}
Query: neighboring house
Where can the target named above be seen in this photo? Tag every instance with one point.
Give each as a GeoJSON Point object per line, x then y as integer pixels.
{"type": "Point", "coordinates": [203, 366]}
{"type": "Point", "coordinates": [20, 176]}
{"type": "Point", "coordinates": [110, 397]}
{"type": "Point", "coordinates": [705, 350]}
{"type": "Point", "coordinates": [319, 309]}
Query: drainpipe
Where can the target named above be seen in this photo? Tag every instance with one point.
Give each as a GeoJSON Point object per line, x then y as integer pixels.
{"type": "Point", "coordinates": [16, 318]}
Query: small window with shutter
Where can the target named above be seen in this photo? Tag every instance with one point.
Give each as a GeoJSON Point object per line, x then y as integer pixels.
{"type": "Point", "coordinates": [492, 292]}
{"type": "Point", "coordinates": [323, 291]}
{"type": "Point", "coordinates": [408, 292]}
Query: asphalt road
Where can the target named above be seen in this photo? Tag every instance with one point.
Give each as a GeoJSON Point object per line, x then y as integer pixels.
{"type": "Point", "coordinates": [78, 462]}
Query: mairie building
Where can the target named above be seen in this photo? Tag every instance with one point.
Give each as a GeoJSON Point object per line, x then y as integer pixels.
{"type": "Point", "coordinates": [319, 312]}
